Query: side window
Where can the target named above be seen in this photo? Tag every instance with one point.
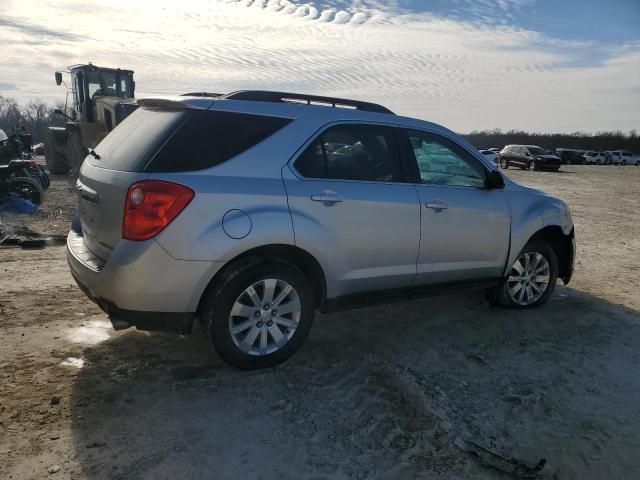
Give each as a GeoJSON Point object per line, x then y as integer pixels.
{"type": "Point", "coordinates": [442, 162]}
{"type": "Point", "coordinates": [353, 152]}
{"type": "Point", "coordinates": [208, 138]}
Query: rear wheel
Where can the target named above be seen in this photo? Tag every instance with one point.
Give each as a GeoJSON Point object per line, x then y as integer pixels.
{"type": "Point", "coordinates": [56, 161]}
{"type": "Point", "coordinates": [27, 188]}
{"type": "Point", "coordinates": [75, 152]}
{"type": "Point", "coordinates": [530, 281]}
{"type": "Point", "coordinates": [259, 314]}
{"type": "Point", "coordinates": [504, 163]}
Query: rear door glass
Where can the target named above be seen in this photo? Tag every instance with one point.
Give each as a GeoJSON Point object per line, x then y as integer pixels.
{"type": "Point", "coordinates": [353, 152]}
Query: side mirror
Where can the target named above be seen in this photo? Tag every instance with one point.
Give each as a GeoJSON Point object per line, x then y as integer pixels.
{"type": "Point", "coordinates": [58, 78]}
{"type": "Point", "coordinates": [494, 180]}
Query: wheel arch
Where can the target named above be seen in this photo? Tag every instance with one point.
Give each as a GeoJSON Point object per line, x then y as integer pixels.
{"type": "Point", "coordinates": [562, 245]}
{"type": "Point", "coordinates": [292, 254]}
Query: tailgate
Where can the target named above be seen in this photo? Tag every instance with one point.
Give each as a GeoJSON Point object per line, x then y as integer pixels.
{"type": "Point", "coordinates": [101, 196]}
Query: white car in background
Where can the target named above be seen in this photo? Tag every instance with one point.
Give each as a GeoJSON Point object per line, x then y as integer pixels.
{"type": "Point", "coordinates": [491, 155]}
{"type": "Point", "coordinates": [623, 157]}
{"type": "Point", "coordinates": [595, 158]}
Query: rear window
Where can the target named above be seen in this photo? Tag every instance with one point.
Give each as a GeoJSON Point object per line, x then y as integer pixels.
{"type": "Point", "coordinates": [136, 139]}
{"type": "Point", "coordinates": [206, 138]}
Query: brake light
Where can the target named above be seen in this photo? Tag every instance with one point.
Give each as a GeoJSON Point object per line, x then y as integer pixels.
{"type": "Point", "coordinates": [150, 206]}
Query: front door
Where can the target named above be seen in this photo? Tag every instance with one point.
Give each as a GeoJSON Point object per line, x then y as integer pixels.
{"type": "Point", "coordinates": [354, 210]}
{"type": "Point", "coordinates": [465, 227]}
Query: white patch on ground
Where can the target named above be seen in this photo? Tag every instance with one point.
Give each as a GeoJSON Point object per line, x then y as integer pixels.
{"type": "Point", "coordinates": [73, 362]}
{"type": "Point", "coordinates": [91, 332]}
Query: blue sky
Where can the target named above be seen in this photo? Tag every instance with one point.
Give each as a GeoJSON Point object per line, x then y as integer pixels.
{"type": "Point", "coordinates": [541, 65]}
{"type": "Point", "coordinates": [599, 21]}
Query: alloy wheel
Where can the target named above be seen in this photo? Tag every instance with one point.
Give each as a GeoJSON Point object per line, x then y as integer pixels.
{"type": "Point", "coordinates": [529, 278]}
{"type": "Point", "coordinates": [265, 316]}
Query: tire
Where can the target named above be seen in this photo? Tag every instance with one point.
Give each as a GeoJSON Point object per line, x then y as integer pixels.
{"type": "Point", "coordinates": [231, 293]}
{"type": "Point", "coordinates": [624, 162]}
{"type": "Point", "coordinates": [500, 296]}
{"type": "Point", "coordinates": [75, 152]}
{"type": "Point", "coordinates": [598, 162]}
{"type": "Point", "coordinates": [504, 163]}
{"type": "Point", "coordinates": [637, 163]}
{"type": "Point", "coordinates": [533, 165]}
{"type": "Point", "coordinates": [56, 161]}
{"type": "Point", "coordinates": [27, 188]}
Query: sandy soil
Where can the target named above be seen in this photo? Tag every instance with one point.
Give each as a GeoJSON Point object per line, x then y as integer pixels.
{"type": "Point", "coordinates": [374, 393]}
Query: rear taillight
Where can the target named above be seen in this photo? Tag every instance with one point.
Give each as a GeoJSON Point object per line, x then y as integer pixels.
{"type": "Point", "coordinates": [151, 205]}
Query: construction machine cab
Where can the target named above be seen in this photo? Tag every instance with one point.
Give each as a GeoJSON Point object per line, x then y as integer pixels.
{"type": "Point", "coordinates": [89, 82]}
{"type": "Point", "coordinates": [101, 99]}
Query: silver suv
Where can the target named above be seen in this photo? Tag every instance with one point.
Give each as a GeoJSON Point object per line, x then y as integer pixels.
{"type": "Point", "coordinates": [252, 210]}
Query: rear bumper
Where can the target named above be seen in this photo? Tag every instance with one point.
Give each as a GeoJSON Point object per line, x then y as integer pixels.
{"type": "Point", "coordinates": [140, 284]}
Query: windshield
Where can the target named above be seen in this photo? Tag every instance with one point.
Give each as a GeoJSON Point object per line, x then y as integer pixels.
{"type": "Point", "coordinates": [106, 83]}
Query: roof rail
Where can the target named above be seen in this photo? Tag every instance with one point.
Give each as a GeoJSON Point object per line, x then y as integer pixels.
{"type": "Point", "coordinates": [201, 94]}
{"type": "Point", "coordinates": [285, 97]}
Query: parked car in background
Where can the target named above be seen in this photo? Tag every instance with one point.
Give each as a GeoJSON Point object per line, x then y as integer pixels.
{"type": "Point", "coordinates": [529, 157]}
{"type": "Point", "coordinates": [571, 156]}
{"type": "Point", "coordinates": [595, 158]}
{"type": "Point", "coordinates": [188, 210]}
{"type": "Point", "coordinates": [491, 155]}
{"type": "Point", "coordinates": [622, 157]}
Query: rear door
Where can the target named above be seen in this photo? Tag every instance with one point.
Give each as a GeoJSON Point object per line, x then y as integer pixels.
{"type": "Point", "coordinates": [465, 227]}
{"type": "Point", "coordinates": [353, 210]}
{"type": "Point", "coordinates": [514, 156]}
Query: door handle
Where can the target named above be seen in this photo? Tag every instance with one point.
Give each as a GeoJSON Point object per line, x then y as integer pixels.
{"type": "Point", "coordinates": [436, 205]}
{"type": "Point", "coordinates": [326, 197]}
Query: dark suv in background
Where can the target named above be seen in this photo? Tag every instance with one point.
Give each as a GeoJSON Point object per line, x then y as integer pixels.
{"type": "Point", "coordinates": [529, 157]}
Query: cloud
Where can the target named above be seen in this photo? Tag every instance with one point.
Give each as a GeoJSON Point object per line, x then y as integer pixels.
{"type": "Point", "coordinates": [465, 74]}
{"type": "Point", "coordinates": [37, 31]}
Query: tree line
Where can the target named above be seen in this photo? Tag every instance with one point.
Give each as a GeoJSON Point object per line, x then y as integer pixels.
{"type": "Point", "coordinates": [600, 141]}
{"type": "Point", "coordinates": [37, 115]}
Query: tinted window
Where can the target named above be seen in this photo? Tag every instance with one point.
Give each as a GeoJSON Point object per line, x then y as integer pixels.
{"type": "Point", "coordinates": [353, 152]}
{"type": "Point", "coordinates": [136, 139]}
{"type": "Point", "coordinates": [207, 138]}
{"type": "Point", "coordinates": [442, 162]}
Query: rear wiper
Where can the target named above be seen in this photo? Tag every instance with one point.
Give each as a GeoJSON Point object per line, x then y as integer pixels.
{"type": "Point", "coordinates": [93, 153]}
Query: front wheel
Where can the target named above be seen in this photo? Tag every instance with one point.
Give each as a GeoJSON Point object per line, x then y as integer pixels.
{"type": "Point", "coordinates": [504, 163]}
{"type": "Point", "coordinates": [259, 314]}
{"type": "Point", "coordinates": [533, 165]}
{"type": "Point", "coordinates": [530, 281]}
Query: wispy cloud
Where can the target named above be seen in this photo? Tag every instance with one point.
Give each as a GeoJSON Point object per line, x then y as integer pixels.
{"type": "Point", "coordinates": [463, 73]}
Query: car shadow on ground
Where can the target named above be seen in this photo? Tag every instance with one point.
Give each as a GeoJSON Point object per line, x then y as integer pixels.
{"type": "Point", "coordinates": [381, 392]}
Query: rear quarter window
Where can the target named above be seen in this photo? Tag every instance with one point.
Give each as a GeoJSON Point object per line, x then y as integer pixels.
{"type": "Point", "coordinates": [206, 138]}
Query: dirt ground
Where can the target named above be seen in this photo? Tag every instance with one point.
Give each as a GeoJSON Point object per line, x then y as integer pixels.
{"type": "Point", "coordinates": [383, 392]}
